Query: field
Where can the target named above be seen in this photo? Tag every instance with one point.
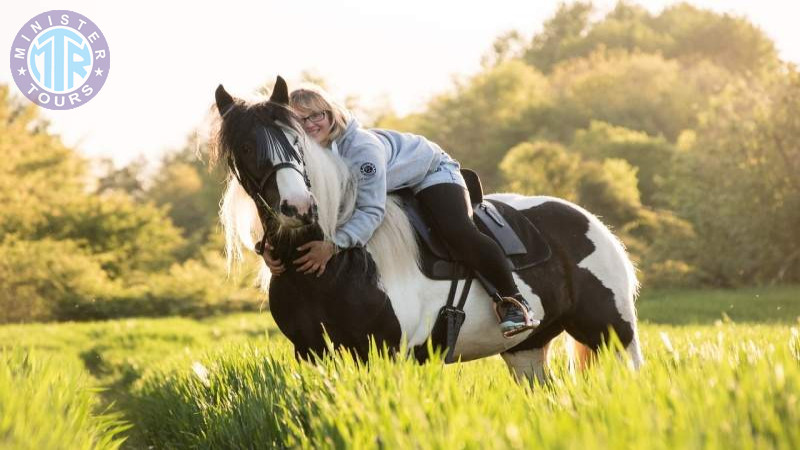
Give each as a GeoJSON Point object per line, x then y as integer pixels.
{"type": "Point", "coordinates": [723, 371]}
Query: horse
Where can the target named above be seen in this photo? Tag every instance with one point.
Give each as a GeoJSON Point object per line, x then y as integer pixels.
{"type": "Point", "coordinates": [283, 188]}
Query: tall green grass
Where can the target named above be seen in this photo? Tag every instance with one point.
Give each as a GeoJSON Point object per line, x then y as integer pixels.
{"type": "Point", "coordinates": [232, 382]}
{"type": "Point", "coordinates": [703, 387]}
{"type": "Point", "coordinates": [49, 403]}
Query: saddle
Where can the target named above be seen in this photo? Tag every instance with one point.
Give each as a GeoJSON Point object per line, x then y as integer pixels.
{"type": "Point", "coordinates": [521, 241]}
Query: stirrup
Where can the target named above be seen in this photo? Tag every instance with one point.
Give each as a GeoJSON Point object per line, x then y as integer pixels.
{"type": "Point", "coordinates": [530, 323]}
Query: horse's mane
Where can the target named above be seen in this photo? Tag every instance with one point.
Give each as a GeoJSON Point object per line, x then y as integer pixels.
{"type": "Point", "coordinates": [393, 246]}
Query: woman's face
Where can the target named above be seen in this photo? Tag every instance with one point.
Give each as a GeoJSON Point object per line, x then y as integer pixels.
{"type": "Point", "coordinates": [317, 124]}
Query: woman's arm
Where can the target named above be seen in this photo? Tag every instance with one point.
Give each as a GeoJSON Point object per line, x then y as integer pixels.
{"type": "Point", "coordinates": [367, 159]}
{"type": "Point", "coordinates": [368, 162]}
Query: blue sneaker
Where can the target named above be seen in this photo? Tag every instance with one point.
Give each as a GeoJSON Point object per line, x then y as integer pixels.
{"type": "Point", "coordinates": [515, 315]}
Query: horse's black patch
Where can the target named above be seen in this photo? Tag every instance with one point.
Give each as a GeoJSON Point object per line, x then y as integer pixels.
{"type": "Point", "coordinates": [346, 302]}
{"type": "Point", "coordinates": [573, 298]}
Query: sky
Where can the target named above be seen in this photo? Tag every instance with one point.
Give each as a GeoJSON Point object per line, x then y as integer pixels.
{"type": "Point", "coordinates": [168, 57]}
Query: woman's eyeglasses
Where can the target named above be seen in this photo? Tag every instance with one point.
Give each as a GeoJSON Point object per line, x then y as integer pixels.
{"type": "Point", "coordinates": [317, 117]}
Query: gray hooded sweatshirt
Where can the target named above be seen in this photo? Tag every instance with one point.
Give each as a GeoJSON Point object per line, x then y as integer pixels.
{"type": "Point", "coordinates": [382, 161]}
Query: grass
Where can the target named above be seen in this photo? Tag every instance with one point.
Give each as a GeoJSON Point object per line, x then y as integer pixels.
{"type": "Point", "coordinates": [703, 387]}
{"type": "Point", "coordinates": [776, 304]}
{"type": "Point", "coordinates": [49, 403]}
{"type": "Point", "coordinates": [716, 377]}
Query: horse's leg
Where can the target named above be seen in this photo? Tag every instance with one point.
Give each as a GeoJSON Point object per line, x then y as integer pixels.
{"type": "Point", "coordinates": [528, 359]}
{"type": "Point", "coordinates": [593, 320]}
{"type": "Point", "coordinates": [526, 365]}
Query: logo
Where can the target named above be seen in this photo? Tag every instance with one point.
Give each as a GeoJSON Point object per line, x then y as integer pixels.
{"type": "Point", "coordinates": [368, 169]}
{"type": "Point", "coordinates": [60, 59]}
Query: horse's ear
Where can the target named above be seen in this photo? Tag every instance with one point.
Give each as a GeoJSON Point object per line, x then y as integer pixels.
{"type": "Point", "coordinates": [280, 93]}
{"type": "Point", "coordinates": [224, 100]}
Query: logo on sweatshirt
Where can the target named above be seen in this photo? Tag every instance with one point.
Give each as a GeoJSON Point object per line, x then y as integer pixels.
{"type": "Point", "coordinates": [368, 170]}
{"type": "Point", "coordinates": [60, 59]}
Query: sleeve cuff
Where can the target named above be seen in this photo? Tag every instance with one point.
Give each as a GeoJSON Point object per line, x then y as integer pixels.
{"type": "Point", "coordinates": [342, 240]}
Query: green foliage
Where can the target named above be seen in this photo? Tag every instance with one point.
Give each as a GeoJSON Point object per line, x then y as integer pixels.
{"type": "Point", "coordinates": [483, 117]}
{"type": "Point", "coordinates": [47, 403]}
{"type": "Point", "coordinates": [682, 32]}
{"type": "Point", "coordinates": [190, 193]}
{"type": "Point", "coordinates": [46, 279]}
{"type": "Point", "coordinates": [123, 235]}
{"type": "Point", "coordinates": [609, 189]}
{"type": "Point", "coordinates": [70, 254]}
{"type": "Point", "coordinates": [648, 155]}
{"type": "Point", "coordinates": [559, 34]}
{"type": "Point", "coordinates": [696, 104]}
{"type": "Point", "coordinates": [640, 91]}
{"type": "Point", "coordinates": [737, 183]}
{"type": "Point", "coordinates": [38, 175]}
{"type": "Point", "coordinates": [542, 168]}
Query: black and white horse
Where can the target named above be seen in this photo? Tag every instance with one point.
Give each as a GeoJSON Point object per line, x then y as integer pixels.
{"type": "Point", "coordinates": [286, 187]}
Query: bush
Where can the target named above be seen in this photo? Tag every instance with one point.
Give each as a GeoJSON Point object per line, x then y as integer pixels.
{"type": "Point", "coordinates": [43, 280]}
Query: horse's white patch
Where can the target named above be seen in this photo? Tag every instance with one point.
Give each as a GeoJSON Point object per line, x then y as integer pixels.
{"type": "Point", "coordinates": [608, 265]}
{"type": "Point", "coordinates": [292, 190]}
{"type": "Point", "coordinates": [520, 202]}
{"type": "Point", "coordinates": [535, 302]}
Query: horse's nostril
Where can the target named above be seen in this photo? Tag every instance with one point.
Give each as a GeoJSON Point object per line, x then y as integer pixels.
{"type": "Point", "coordinates": [287, 209]}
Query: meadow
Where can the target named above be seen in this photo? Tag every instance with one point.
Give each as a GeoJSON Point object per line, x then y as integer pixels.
{"type": "Point", "coordinates": [722, 371]}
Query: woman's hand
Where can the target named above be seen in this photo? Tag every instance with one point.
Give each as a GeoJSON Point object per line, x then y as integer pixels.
{"type": "Point", "coordinates": [319, 253]}
{"type": "Point", "coordinates": [275, 265]}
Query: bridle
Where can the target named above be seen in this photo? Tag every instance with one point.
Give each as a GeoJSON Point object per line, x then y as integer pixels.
{"type": "Point", "coordinates": [253, 187]}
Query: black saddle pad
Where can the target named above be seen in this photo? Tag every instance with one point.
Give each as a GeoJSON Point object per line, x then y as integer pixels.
{"type": "Point", "coordinates": [538, 250]}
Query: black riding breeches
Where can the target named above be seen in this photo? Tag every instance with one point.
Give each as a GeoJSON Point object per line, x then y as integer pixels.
{"type": "Point", "coordinates": [448, 206]}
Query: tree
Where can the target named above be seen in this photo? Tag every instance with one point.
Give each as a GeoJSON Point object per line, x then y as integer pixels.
{"type": "Point", "coordinates": [542, 168]}
{"type": "Point", "coordinates": [484, 117]}
{"type": "Point", "coordinates": [561, 32]}
{"type": "Point", "coordinates": [609, 189]}
{"type": "Point", "coordinates": [737, 184]}
{"type": "Point", "coordinates": [128, 179]}
{"type": "Point", "coordinates": [650, 156]}
{"type": "Point", "coordinates": [189, 193]}
{"type": "Point", "coordinates": [681, 32]}
{"type": "Point", "coordinates": [38, 173]}
{"type": "Point", "coordinates": [643, 92]}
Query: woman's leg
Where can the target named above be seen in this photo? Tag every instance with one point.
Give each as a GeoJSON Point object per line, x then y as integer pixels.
{"type": "Point", "coordinates": [449, 208]}
{"type": "Point", "coordinates": [447, 205]}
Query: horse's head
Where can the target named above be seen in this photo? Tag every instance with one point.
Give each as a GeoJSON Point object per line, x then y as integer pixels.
{"type": "Point", "coordinates": [262, 143]}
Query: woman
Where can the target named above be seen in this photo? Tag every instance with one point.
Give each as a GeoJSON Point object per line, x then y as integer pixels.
{"type": "Point", "coordinates": [386, 161]}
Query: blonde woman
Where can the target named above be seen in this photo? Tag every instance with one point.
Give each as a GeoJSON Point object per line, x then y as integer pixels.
{"type": "Point", "coordinates": [385, 161]}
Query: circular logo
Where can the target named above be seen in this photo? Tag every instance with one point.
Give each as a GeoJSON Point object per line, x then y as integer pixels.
{"type": "Point", "coordinates": [60, 59]}
{"type": "Point", "coordinates": [368, 169]}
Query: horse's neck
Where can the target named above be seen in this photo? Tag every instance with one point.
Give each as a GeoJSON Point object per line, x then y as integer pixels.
{"type": "Point", "coordinates": [285, 245]}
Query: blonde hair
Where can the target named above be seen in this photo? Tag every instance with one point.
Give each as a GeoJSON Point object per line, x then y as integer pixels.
{"type": "Point", "coordinates": [310, 99]}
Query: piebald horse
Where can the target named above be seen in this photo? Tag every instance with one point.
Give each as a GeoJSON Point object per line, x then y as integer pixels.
{"type": "Point", "coordinates": [285, 189]}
